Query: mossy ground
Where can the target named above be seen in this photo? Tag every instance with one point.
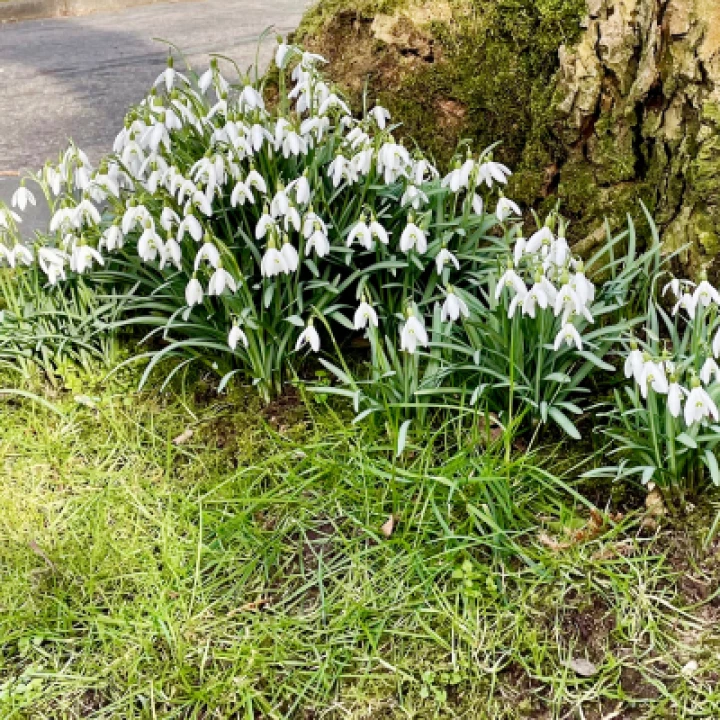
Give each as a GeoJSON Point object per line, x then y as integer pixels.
{"type": "Point", "coordinates": [191, 556]}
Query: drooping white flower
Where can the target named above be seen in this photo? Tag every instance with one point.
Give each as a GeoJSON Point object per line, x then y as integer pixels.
{"type": "Point", "coordinates": [149, 245]}
{"type": "Point", "coordinates": [443, 257]}
{"type": "Point", "coordinates": [361, 233]}
{"type": "Point", "coordinates": [676, 285]}
{"type": "Point", "coordinates": [716, 344]}
{"type": "Point", "coordinates": [510, 279]}
{"type": "Point", "coordinates": [455, 180]}
{"type": "Point", "coordinates": [686, 302]}
{"type": "Point", "coordinates": [169, 76]}
{"type": "Point", "coordinates": [21, 197]}
{"type": "Point", "coordinates": [209, 253]}
{"type": "Point", "coordinates": [490, 172]}
{"type": "Point", "coordinates": [290, 255]}
{"type": "Point", "coordinates": [20, 255]}
{"type": "Point", "coordinates": [413, 196]}
{"type": "Point", "coordinates": [653, 376]}
{"type": "Point", "coordinates": [705, 294]}
{"type": "Point", "coordinates": [536, 295]}
{"type": "Point", "coordinates": [318, 241]}
{"type": "Point", "coordinates": [413, 335]}
{"type": "Point", "coordinates": [478, 205]}
{"type": "Point", "coordinates": [309, 336]}
{"type": "Point", "coordinates": [172, 252]}
{"type": "Point", "coordinates": [82, 258]}
{"type": "Point", "coordinates": [413, 237]}
{"type": "Point", "coordinates": [567, 302]}
{"type": "Point", "coordinates": [380, 115]}
{"type": "Point", "coordinates": [379, 232]}
{"type": "Point", "coordinates": [365, 314]}
{"type": "Point", "coordinates": [302, 190]}
{"type": "Point", "coordinates": [191, 225]}
{"type": "Point", "coordinates": [634, 364]}
{"type": "Point", "coordinates": [220, 281]}
{"type": "Point", "coordinates": [699, 405]}
{"type": "Point", "coordinates": [250, 99]}
{"type": "Point", "coordinates": [194, 292]}
{"type": "Point", "coordinates": [709, 370]}
{"type": "Point", "coordinates": [273, 263]}
{"type": "Point", "coordinates": [52, 262]}
{"type": "Point", "coordinates": [453, 307]}
{"type": "Point", "coordinates": [257, 181]}
{"type": "Point", "coordinates": [569, 335]}
{"type": "Point", "coordinates": [675, 397]}
{"type": "Point", "coordinates": [505, 208]}
{"type": "Point", "coordinates": [265, 223]}
{"type": "Point", "coordinates": [235, 336]}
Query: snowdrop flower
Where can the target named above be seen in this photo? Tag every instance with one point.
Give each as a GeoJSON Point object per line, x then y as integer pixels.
{"type": "Point", "coordinates": [361, 233]}
{"type": "Point", "coordinates": [705, 294]}
{"type": "Point", "coordinates": [83, 257]}
{"type": "Point", "coordinates": [21, 197]}
{"type": "Point", "coordinates": [302, 190]}
{"type": "Point", "coordinates": [709, 369]}
{"type": "Point", "coordinates": [112, 239]}
{"type": "Point", "coordinates": [676, 285]}
{"type": "Point", "coordinates": [19, 255]}
{"type": "Point", "coordinates": [9, 218]}
{"type": "Point", "coordinates": [318, 241]}
{"type": "Point", "coordinates": [312, 223]}
{"type": "Point", "coordinates": [209, 253]}
{"type": "Point", "coordinates": [309, 336]}
{"type": "Point", "coordinates": [510, 279]}
{"type": "Point", "coordinates": [453, 307]}
{"type": "Point", "coordinates": [191, 225]}
{"type": "Point", "coordinates": [413, 334]}
{"type": "Point", "coordinates": [282, 53]}
{"type": "Point", "coordinates": [86, 214]}
{"type": "Point", "coordinates": [168, 218]}
{"type": "Point", "coordinates": [280, 203]}
{"type": "Point", "coordinates": [505, 208]}
{"type": "Point", "coordinates": [365, 314]}
{"type": "Point", "coordinates": [653, 375]}
{"type": "Point", "coordinates": [537, 295]}
{"type": "Point", "coordinates": [380, 115]}
{"type": "Point", "coordinates": [392, 162]}
{"type": "Point", "coordinates": [686, 302]}
{"type": "Point", "coordinates": [256, 181]}
{"type": "Point", "coordinates": [265, 223]}
{"type": "Point", "coordinates": [569, 335]}
{"type": "Point", "coordinates": [454, 180]}
{"type": "Point", "coordinates": [292, 218]}
{"type": "Point", "coordinates": [413, 196]}
{"type": "Point", "coordinates": [567, 302]}
{"type": "Point", "coordinates": [290, 255]}
{"type": "Point", "coordinates": [52, 260]}
{"type": "Point", "coordinates": [413, 237]}
{"type": "Point", "coordinates": [193, 292]}
{"type": "Point", "coordinates": [675, 398]}
{"type": "Point", "coordinates": [477, 204]}
{"type": "Point", "coordinates": [443, 257]}
{"type": "Point", "coordinates": [584, 289]}
{"type": "Point", "coordinates": [699, 405]}
{"type": "Point", "coordinates": [341, 168]}
{"type": "Point", "coordinates": [169, 75]}
{"type": "Point", "coordinates": [172, 252]}
{"type": "Point", "coordinates": [235, 336]}
{"type": "Point", "coordinates": [493, 171]}
{"type": "Point", "coordinates": [634, 364]}
{"type": "Point", "coordinates": [149, 244]}
{"type": "Point", "coordinates": [221, 280]}
{"type": "Point", "coordinates": [422, 170]}
{"type": "Point", "coordinates": [379, 232]}
{"type": "Point", "coordinates": [273, 263]}
{"type": "Point", "coordinates": [538, 239]}
{"type": "Point", "coordinates": [250, 99]}
{"type": "Point", "coordinates": [333, 101]}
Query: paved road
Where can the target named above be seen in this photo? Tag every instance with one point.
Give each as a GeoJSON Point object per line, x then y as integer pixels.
{"type": "Point", "coordinates": [75, 77]}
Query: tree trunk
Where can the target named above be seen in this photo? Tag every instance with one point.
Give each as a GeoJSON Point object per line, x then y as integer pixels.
{"type": "Point", "coordinates": [597, 103]}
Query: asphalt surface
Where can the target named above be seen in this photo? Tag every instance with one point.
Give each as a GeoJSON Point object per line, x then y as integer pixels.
{"type": "Point", "coordinates": [65, 78]}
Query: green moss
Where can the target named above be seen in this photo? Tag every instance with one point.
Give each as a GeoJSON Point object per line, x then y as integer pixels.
{"type": "Point", "coordinates": [323, 11]}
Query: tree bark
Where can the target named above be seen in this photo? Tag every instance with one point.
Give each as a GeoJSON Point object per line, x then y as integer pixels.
{"type": "Point", "coordinates": [597, 104]}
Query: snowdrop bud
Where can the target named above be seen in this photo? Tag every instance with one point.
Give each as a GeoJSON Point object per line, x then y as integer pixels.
{"type": "Point", "coordinates": [290, 255]}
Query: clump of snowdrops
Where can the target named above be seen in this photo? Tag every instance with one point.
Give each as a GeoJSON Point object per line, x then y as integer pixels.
{"type": "Point", "coordinates": [245, 235]}
{"type": "Point", "coordinates": [666, 423]}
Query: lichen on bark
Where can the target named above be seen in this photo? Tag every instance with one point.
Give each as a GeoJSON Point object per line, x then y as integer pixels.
{"type": "Point", "coordinates": [598, 103]}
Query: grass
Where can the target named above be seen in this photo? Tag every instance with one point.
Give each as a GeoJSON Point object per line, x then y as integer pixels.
{"type": "Point", "coordinates": [248, 571]}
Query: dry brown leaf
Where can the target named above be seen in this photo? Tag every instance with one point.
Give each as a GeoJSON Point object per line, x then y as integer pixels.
{"type": "Point", "coordinates": [183, 437]}
{"type": "Point", "coordinates": [552, 543]}
{"type": "Point", "coordinates": [388, 526]}
{"type": "Point", "coordinates": [654, 503]}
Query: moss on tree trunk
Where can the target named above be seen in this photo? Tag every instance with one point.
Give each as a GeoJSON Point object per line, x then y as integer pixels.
{"type": "Point", "coordinates": [596, 102]}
